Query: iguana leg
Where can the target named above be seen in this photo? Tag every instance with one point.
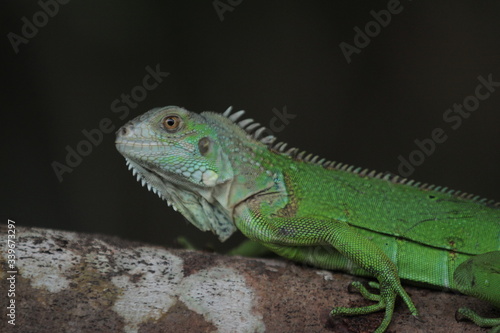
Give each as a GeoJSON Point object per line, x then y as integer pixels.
{"type": "Point", "coordinates": [185, 243]}
{"type": "Point", "coordinates": [249, 248]}
{"type": "Point", "coordinates": [479, 276]}
{"type": "Point", "coordinates": [296, 239]}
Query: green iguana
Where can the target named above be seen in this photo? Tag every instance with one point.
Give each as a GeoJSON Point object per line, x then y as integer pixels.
{"type": "Point", "coordinates": [222, 175]}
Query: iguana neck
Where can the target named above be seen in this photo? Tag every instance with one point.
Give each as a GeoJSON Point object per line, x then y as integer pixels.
{"type": "Point", "coordinates": [253, 169]}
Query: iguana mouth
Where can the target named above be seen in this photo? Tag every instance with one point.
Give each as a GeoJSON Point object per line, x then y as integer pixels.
{"type": "Point", "coordinates": [132, 147]}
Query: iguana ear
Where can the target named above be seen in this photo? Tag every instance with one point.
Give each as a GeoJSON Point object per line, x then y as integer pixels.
{"type": "Point", "coordinates": [204, 145]}
{"type": "Point", "coordinates": [222, 170]}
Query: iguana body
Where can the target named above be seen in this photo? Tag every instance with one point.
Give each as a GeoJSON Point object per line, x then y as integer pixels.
{"type": "Point", "coordinates": [221, 175]}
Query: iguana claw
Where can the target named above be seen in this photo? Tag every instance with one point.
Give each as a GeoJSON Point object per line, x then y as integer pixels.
{"type": "Point", "coordinates": [386, 299]}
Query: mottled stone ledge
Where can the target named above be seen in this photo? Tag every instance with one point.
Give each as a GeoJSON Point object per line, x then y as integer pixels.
{"type": "Point", "coordinates": [71, 282]}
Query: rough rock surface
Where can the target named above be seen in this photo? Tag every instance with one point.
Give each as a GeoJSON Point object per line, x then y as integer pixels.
{"type": "Point", "coordinates": [71, 282]}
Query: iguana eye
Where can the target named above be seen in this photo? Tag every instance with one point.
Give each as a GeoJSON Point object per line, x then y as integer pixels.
{"type": "Point", "coordinates": [172, 123]}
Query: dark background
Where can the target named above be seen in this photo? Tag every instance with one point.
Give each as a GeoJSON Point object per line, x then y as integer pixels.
{"type": "Point", "coordinates": [262, 55]}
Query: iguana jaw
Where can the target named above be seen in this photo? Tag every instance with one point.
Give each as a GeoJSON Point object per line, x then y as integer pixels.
{"type": "Point", "coordinates": [205, 207]}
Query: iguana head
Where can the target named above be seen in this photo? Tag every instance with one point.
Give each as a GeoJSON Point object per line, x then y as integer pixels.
{"type": "Point", "coordinates": [188, 158]}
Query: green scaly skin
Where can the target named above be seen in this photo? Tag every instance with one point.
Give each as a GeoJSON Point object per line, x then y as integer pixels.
{"type": "Point", "coordinates": [222, 174]}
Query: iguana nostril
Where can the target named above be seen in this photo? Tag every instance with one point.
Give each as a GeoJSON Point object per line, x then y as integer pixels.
{"type": "Point", "coordinates": [126, 130]}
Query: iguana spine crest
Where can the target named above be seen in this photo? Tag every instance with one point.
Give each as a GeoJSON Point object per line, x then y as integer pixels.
{"type": "Point", "coordinates": [250, 127]}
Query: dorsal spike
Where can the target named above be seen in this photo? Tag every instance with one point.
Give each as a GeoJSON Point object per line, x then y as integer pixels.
{"type": "Point", "coordinates": [268, 139]}
{"type": "Point", "coordinates": [291, 151]}
{"type": "Point", "coordinates": [277, 146]}
{"type": "Point", "coordinates": [234, 117]}
{"type": "Point", "coordinates": [228, 112]}
{"type": "Point", "coordinates": [253, 126]}
{"type": "Point", "coordinates": [258, 133]}
{"type": "Point", "coordinates": [245, 122]}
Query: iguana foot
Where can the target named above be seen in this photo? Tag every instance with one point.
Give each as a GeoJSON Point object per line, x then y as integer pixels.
{"type": "Point", "coordinates": [479, 276]}
{"type": "Point", "coordinates": [386, 300]}
{"type": "Point", "coordinates": [185, 244]}
{"type": "Point", "coordinates": [357, 286]}
{"type": "Point", "coordinates": [466, 313]}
